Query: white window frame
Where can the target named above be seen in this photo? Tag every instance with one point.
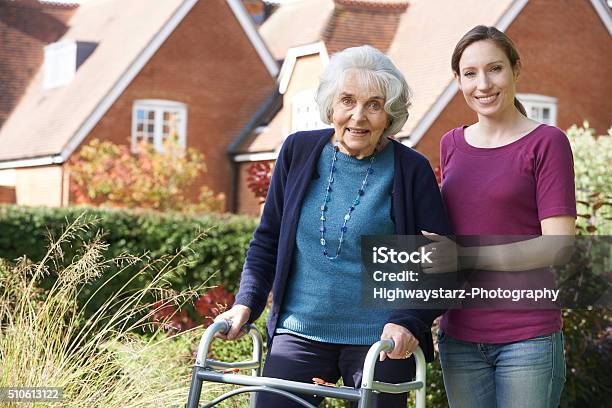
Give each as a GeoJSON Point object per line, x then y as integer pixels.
{"type": "Point", "coordinates": [311, 120]}
{"type": "Point", "coordinates": [59, 66]}
{"type": "Point", "coordinates": [539, 103]}
{"type": "Point", "coordinates": [159, 106]}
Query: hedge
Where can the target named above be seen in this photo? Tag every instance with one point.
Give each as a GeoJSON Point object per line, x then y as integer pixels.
{"type": "Point", "coordinates": [216, 258]}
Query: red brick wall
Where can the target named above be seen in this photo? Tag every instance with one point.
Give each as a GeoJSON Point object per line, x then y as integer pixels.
{"type": "Point", "coordinates": [456, 114]}
{"type": "Point", "coordinates": [7, 195]}
{"type": "Point", "coordinates": [566, 52]}
{"type": "Point", "coordinates": [210, 64]}
{"type": "Point", "coordinates": [26, 26]}
{"type": "Point", "coordinates": [353, 24]}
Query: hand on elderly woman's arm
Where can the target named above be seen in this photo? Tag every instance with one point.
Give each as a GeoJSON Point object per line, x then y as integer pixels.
{"type": "Point", "coordinates": [553, 247]}
{"type": "Point", "coordinates": [404, 341]}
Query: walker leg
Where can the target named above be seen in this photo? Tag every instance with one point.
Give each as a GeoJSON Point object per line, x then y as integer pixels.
{"type": "Point", "coordinates": [256, 372]}
{"type": "Point", "coordinates": [366, 398]}
{"type": "Point", "coordinates": [193, 400]}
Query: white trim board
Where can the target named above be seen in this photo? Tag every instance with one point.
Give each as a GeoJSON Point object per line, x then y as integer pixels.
{"type": "Point", "coordinates": [250, 30]}
{"type": "Point", "coordinates": [290, 59]}
{"type": "Point", "coordinates": [254, 157]}
{"type": "Point", "coordinates": [604, 13]}
{"type": "Point", "coordinates": [38, 161]}
{"type": "Point", "coordinates": [451, 90]}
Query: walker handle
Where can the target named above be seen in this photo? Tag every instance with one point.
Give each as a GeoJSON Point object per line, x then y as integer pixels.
{"type": "Point", "coordinates": [419, 383]}
{"type": "Point", "coordinates": [223, 326]}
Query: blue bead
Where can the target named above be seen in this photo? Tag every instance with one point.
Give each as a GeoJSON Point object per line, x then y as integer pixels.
{"type": "Point", "coordinates": [361, 192]}
{"type": "Point", "coordinates": [325, 252]}
{"type": "Point", "coordinates": [329, 188]}
{"type": "Point", "coordinates": [322, 241]}
{"type": "Point", "coordinates": [333, 168]}
{"type": "Point", "coordinates": [344, 229]}
{"type": "Point", "coordinates": [370, 170]}
{"type": "Point", "coordinates": [328, 199]}
{"type": "Point", "coordinates": [323, 208]}
{"type": "Point", "coordinates": [356, 201]}
{"type": "Point", "coordinates": [322, 229]}
{"type": "Point", "coordinates": [352, 208]}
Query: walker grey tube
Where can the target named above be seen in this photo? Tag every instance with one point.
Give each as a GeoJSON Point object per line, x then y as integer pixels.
{"type": "Point", "coordinates": [204, 371]}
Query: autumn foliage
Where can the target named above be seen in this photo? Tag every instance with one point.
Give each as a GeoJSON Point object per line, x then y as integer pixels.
{"type": "Point", "coordinates": [110, 174]}
{"type": "Point", "coordinates": [212, 303]}
{"type": "Point", "coordinates": [258, 179]}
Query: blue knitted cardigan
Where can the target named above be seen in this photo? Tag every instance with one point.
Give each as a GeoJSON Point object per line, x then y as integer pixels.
{"type": "Point", "coordinates": [416, 205]}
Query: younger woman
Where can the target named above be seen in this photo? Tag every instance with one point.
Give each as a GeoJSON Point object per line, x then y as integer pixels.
{"type": "Point", "coordinates": [504, 175]}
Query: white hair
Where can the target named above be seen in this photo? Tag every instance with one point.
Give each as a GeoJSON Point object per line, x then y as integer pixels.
{"type": "Point", "coordinates": [376, 71]}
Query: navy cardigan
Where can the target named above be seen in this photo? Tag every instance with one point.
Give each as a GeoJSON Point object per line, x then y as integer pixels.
{"type": "Point", "coordinates": [416, 205]}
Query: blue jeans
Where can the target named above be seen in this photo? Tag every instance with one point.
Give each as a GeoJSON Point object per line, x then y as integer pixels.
{"type": "Point", "coordinates": [528, 373]}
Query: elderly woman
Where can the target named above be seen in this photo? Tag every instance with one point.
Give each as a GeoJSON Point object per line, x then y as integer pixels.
{"type": "Point", "coordinates": [329, 187]}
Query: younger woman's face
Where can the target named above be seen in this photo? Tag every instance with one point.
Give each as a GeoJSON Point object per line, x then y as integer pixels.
{"type": "Point", "coordinates": [487, 79]}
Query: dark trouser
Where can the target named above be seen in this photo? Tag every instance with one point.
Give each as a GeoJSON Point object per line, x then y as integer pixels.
{"type": "Point", "coordinates": [298, 359]}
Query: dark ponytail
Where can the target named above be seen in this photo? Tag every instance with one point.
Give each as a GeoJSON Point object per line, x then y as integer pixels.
{"type": "Point", "coordinates": [480, 33]}
{"type": "Point", "coordinates": [518, 105]}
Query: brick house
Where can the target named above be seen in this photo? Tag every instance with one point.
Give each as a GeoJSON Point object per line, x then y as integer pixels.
{"type": "Point", "coordinates": [566, 49]}
{"type": "Point", "coordinates": [124, 71]}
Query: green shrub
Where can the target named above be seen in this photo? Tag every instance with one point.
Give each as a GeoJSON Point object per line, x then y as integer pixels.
{"type": "Point", "coordinates": [588, 346]}
{"type": "Point", "coordinates": [102, 363]}
{"type": "Point", "coordinates": [217, 259]}
{"type": "Point", "coordinates": [592, 158]}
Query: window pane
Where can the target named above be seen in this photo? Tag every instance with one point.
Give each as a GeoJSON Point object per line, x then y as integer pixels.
{"type": "Point", "coordinates": [156, 124]}
{"type": "Point", "coordinates": [546, 114]}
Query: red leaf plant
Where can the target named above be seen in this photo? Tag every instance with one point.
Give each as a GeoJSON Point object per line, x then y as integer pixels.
{"type": "Point", "coordinates": [258, 179]}
{"type": "Point", "coordinates": [207, 307]}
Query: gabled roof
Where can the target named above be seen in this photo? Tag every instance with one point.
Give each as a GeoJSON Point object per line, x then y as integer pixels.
{"type": "Point", "coordinates": [48, 125]}
{"type": "Point", "coordinates": [421, 44]}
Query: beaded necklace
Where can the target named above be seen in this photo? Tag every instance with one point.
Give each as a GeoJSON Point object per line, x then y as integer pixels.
{"type": "Point", "coordinates": [347, 216]}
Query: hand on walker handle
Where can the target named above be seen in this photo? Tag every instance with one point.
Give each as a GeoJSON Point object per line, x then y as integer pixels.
{"type": "Point", "coordinates": [405, 342]}
{"type": "Point", "coordinates": [238, 315]}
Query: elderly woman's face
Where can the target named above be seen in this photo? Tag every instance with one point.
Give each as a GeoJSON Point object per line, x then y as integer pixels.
{"type": "Point", "coordinates": [358, 117]}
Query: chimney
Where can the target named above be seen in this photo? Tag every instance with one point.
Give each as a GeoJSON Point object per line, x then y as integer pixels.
{"type": "Point", "coordinates": [358, 22]}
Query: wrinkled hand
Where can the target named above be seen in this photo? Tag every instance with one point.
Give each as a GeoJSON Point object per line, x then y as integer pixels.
{"type": "Point", "coordinates": [405, 342]}
{"type": "Point", "coordinates": [238, 315]}
{"type": "Point", "coordinates": [444, 254]}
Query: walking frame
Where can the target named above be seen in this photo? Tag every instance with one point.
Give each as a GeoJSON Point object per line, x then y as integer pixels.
{"type": "Point", "coordinates": [206, 369]}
